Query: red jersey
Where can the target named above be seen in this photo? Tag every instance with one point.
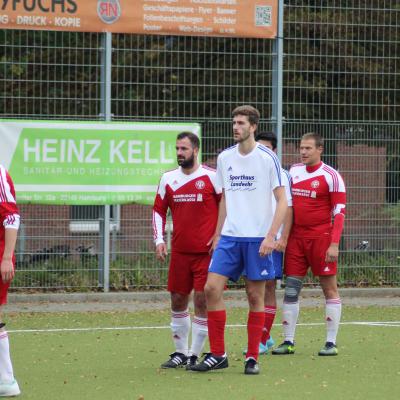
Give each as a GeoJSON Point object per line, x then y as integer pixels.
{"type": "Point", "coordinates": [193, 200]}
{"type": "Point", "coordinates": [9, 216]}
{"type": "Point", "coordinates": [318, 194]}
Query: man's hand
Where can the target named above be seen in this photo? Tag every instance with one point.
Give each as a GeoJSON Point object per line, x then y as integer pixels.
{"type": "Point", "coordinates": [7, 270]}
{"type": "Point", "coordinates": [332, 253]}
{"type": "Point", "coordinates": [213, 242]}
{"type": "Point", "coordinates": [267, 245]}
{"type": "Point", "coordinates": [161, 251]}
{"type": "Point", "coordinates": [280, 244]}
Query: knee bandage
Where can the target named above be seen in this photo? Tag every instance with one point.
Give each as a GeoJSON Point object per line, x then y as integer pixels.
{"type": "Point", "coordinates": [292, 289]}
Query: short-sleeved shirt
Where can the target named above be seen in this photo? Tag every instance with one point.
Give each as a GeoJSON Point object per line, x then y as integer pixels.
{"type": "Point", "coordinates": [248, 181]}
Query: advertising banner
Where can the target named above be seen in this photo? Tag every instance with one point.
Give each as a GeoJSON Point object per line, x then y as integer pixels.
{"type": "Point", "coordinates": [229, 18]}
{"type": "Point", "coordinates": [90, 163]}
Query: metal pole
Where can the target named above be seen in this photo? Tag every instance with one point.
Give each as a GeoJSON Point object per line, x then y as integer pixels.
{"type": "Point", "coordinates": [106, 114]}
{"type": "Point", "coordinates": [277, 80]}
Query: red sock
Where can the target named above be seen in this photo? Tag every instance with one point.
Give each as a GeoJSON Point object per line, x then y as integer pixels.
{"type": "Point", "coordinates": [270, 312]}
{"type": "Point", "coordinates": [216, 328]}
{"type": "Point", "coordinates": [255, 325]}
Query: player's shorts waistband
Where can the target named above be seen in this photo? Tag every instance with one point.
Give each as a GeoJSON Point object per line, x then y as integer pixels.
{"type": "Point", "coordinates": [242, 239]}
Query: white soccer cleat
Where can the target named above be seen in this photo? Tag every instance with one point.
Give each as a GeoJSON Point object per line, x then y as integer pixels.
{"type": "Point", "coordinates": [9, 389]}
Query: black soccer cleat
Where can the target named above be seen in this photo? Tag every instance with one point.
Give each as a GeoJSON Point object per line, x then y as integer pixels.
{"type": "Point", "coordinates": [191, 362]}
{"type": "Point", "coordinates": [176, 360]}
{"type": "Point", "coordinates": [211, 362]}
{"type": "Point", "coordinates": [251, 367]}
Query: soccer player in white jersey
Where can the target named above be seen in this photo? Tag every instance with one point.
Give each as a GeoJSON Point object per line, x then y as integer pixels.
{"type": "Point", "coordinates": [245, 235]}
{"type": "Point", "coordinates": [269, 139]}
{"type": "Point", "coordinates": [9, 218]}
{"type": "Point", "coordinates": [191, 194]}
{"type": "Point", "coordinates": [319, 197]}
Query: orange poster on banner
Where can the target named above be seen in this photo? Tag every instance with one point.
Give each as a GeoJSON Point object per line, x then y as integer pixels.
{"type": "Point", "coordinates": [232, 18]}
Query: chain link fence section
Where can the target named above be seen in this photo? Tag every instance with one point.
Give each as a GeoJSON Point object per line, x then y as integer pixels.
{"type": "Point", "coordinates": [340, 78]}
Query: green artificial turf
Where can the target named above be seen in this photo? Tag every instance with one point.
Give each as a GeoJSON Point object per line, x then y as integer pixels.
{"type": "Point", "coordinates": [124, 364]}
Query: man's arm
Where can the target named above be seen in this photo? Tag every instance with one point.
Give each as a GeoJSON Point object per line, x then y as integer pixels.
{"type": "Point", "coordinates": [269, 244]}
{"type": "Point", "coordinates": [160, 210]}
{"type": "Point", "coordinates": [288, 221]}
{"type": "Point", "coordinates": [220, 223]}
{"type": "Point", "coordinates": [337, 194]}
{"type": "Point", "coordinates": [287, 226]}
{"type": "Point", "coordinates": [332, 254]}
{"type": "Point", "coordinates": [6, 267]}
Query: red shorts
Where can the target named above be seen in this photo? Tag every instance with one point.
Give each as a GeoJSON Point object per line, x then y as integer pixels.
{"type": "Point", "coordinates": [3, 291]}
{"type": "Point", "coordinates": [4, 288]}
{"type": "Point", "coordinates": [188, 271]}
{"type": "Point", "coordinates": [302, 253]}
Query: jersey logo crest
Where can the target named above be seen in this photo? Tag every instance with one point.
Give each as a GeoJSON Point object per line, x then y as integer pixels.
{"type": "Point", "coordinates": [229, 169]}
{"type": "Point", "coordinates": [314, 184]}
{"type": "Point", "coordinates": [326, 269]}
{"type": "Point", "coordinates": [200, 184]}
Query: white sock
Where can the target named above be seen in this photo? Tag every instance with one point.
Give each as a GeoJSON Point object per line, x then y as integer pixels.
{"type": "Point", "coordinates": [333, 311]}
{"type": "Point", "coordinates": [290, 313]}
{"type": "Point", "coordinates": [199, 335]}
{"type": "Point", "coordinates": [180, 326]}
{"type": "Point", "coordinates": [6, 369]}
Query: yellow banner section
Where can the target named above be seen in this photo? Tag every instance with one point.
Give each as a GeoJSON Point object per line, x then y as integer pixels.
{"type": "Point", "coordinates": [231, 18]}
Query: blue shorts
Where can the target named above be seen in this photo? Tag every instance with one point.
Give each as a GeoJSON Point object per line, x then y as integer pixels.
{"type": "Point", "coordinates": [234, 257]}
{"type": "Point", "coordinates": [277, 261]}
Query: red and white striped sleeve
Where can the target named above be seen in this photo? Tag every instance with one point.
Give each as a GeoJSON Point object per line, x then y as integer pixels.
{"type": "Point", "coordinates": [160, 210]}
{"type": "Point", "coordinates": [9, 215]}
{"type": "Point", "coordinates": [337, 192]}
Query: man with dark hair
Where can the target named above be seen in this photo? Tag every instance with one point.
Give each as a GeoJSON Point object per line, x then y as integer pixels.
{"type": "Point", "coordinates": [191, 194]}
{"type": "Point", "coordinates": [269, 139]}
{"type": "Point", "coordinates": [9, 218]}
{"type": "Point", "coordinates": [249, 175]}
{"type": "Point", "coordinates": [319, 196]}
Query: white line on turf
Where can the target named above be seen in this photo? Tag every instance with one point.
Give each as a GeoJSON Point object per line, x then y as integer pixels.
{"type": "Point", "coordinates": [136, 328]}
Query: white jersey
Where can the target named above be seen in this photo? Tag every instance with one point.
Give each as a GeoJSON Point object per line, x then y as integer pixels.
{"type": "Point", "coordinates": [248, 181]}
{"type": "Point", "coordinates": [286, 182]}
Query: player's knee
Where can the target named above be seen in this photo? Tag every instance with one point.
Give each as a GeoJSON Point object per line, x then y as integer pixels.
{"type": "Point", "coordinates": [199, 301]}
{"type": "Point", "coordinates": [255, 297]}
{"type": "Point", "coordinates": [179, 301]}
{"type": "Point", "coordinates": [292, 289]}
{"type": "Point", "coordinates": [212, 291]}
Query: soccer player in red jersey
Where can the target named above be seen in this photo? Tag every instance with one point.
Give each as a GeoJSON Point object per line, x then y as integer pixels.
{"type": "Point", "coordinates": [191, 194]}
{"type": "Point", "coordinates": [9, 218]}
{"type": "Point", "coordinates": [319, 201]}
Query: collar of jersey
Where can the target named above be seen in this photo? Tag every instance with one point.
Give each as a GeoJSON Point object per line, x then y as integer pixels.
{"type": "Point", "coordinates": [193, 174]}
{"type": "Point", "coordinates": [312, 168]}
{"type": "Point", "coordinates": [248, 154]}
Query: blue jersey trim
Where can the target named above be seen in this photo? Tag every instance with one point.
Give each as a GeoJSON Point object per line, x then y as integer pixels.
{"type": "Point", "coordinates": [274, 158]}
{"type": "Point", "coordinates": [289, 178]}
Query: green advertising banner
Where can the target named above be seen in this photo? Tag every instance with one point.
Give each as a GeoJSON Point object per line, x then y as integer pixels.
{"type": "Point", "coordinates": [90, 163]}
